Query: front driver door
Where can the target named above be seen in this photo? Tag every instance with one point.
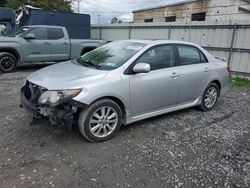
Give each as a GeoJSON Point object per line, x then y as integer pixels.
{"type": "Point", "coordinates": [37, 49]}
{"type": "Point", "coordinates": [159, 88]}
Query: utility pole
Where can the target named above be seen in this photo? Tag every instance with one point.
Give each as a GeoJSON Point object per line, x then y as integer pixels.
{"type": "Point", "coordinates": [99, 19]}
{"type": "Point", "coordinates": [78, 1]}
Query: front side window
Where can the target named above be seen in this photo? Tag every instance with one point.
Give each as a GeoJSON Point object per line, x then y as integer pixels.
{"type": "Point", "coordinates": [190, 55]}
{"type": "Point", "coordinates": [39, 33]}
{"type": "Point", "coordinates": [111, 55]}
{"type": "Point", "coordinates": [159, 57]}
{"type": "Point", "coordinates": [55, 33]}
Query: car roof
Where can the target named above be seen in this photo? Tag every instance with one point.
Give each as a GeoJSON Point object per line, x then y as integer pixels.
{"type": "Point", "coordinates": [156, 42]}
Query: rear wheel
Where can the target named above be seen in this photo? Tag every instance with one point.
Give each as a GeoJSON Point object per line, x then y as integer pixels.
{"type": "Point", "coordinates": [8, 62]}
{"type": "Point", "coordinates": [100, 121]}
{"type": "Point", "coordinates": [210, 97]}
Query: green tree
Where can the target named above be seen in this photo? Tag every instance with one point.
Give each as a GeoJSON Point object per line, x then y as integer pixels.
{"type": "Point", "coordinates": [14, 3]}
{"type": "Point", "coordinates": [115, 20]}
{"type": "Point", "coordinates": [2, 3]}
{"type": "Point", "coordinates": [61, 5]}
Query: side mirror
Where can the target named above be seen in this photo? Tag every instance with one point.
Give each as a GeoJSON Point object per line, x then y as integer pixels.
{"type": "Point", "coordinates": [141, 68]}
{"type": "Point", "coordinates": [29, 36]}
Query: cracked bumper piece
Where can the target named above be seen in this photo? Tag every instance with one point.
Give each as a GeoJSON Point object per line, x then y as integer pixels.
{"type": "Point", "coordinates": [61, 113]}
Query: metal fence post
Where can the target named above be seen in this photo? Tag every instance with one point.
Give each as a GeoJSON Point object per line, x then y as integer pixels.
{"type": "Point", "coordinates": [232, 44]}
{"type": "Point", "coordinates": [129, 31]}
{"type": "Point", "coordinates": [169, 32]}
{"type": "Point", "coordinates": [190, 29]}
{"type": "Point", "coordinates": [100, 32]}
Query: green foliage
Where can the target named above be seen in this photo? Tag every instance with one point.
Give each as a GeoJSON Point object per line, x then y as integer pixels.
{"type": "Point", "coordinates": [14, 3]}
{"type": "Point", "coordinates": [115, 20]}
{"type": "Point", "coordinates": [61, 5]}
{"type": "Point", "coordinates": [2, 3]}
{"type": "Point", "coordinates": [241, 82]}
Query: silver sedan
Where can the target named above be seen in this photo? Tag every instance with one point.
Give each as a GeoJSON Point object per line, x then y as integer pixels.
{"type": "Point", "coordinates": [123, 82]}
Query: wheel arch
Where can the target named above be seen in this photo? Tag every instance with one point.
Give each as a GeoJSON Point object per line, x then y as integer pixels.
{"type": "Point", "coordinates": [118, 101]}
{"type": "Point", "coordinates": [11, 51]}
{"type": "Point", "coordinates": [217, 82]}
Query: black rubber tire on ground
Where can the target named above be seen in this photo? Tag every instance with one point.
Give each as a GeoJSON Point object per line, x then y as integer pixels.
{"type": "Point", "coordinates": [12, 62]}
{"type": "Point", "coordinates": [86, 114]}
{"type": "Point", "coordinates": [203, 107]}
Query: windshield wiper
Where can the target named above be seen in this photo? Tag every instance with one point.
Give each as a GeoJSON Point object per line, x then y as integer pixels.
{"type": "Point", "coordinates": [91, 64]}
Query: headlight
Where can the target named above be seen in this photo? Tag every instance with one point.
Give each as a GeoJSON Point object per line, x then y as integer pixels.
{"type": "Point", "coordinates": [53, 98]}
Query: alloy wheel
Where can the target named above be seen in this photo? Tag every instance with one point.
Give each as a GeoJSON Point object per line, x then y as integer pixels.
{"type": "Point", "coordinates": [211, 97]}
{"type": "Point", "coordinates": [7, 63]}
{"type": "Point", "coordinates": [103, 121]}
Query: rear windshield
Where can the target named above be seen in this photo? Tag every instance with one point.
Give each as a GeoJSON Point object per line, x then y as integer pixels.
{"type": "Point", "coordinates": [111, 55]}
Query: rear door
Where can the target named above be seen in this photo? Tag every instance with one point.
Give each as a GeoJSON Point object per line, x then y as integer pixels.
{"type": "Point", "coordinates": [194, 73]}
{"type": "Point", "coordinates": [60, 45]}
{"type": "Point", "coordinates": [159, 88]}
{"type": "Point", "coordinates": [37, 49]}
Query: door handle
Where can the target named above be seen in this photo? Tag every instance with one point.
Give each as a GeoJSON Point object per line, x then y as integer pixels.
{"type": "Point", "coordinates": [174, 75]}
{"type": "Point", "coordinates": [46, 43]}
{"type": "Point", "coordinates": [206, 70]}
{"type": "Point", "coordinates": [65, 43]}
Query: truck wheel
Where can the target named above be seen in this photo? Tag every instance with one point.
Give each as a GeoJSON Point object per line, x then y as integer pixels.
{"type": "Point", "coordinates": [8, 62]}
{"type": "Point", "coordinates": [100, 121]}
{"type": "Point", "coordinates": [210, 97]}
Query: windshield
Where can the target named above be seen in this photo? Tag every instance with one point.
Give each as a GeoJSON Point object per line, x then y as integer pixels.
{"type": "Point", "coordinates": [19, 32]}
{"type": "Point", "coordinates": [111, 55]}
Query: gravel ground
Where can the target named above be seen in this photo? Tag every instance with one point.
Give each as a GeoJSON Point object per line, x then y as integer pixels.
{"type": "Point", "coordinates": [188, 148]}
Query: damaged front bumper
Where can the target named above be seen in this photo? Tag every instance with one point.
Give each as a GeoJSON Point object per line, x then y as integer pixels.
{"type": "Point", "coordinates": [62, 113]}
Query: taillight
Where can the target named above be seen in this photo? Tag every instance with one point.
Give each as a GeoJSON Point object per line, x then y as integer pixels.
{"type": "Point", "coordinates": [229, 68]}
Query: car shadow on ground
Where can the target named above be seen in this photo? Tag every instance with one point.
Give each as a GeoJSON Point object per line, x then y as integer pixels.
{"type": "Point", "coordinates": [64, 133]}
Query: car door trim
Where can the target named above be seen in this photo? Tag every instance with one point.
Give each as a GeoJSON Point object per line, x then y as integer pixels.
{"type": "Point", "coordinates": [132, 119]}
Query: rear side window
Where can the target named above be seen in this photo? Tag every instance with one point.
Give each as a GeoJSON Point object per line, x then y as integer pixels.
{"type": "Point", "coordinates": [55, 33]}
{"type": "Point", "coordinates": [190, 55]}
{"type": "Point", "coordinates": [40, 33]}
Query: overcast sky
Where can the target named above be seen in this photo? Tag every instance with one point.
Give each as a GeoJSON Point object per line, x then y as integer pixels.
{"type": "Point", "coordinates": [122, 9]}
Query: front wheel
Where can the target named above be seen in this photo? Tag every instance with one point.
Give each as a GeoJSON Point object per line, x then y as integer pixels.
{"type": "Point", "coordinates": [210, 97]}
{"type": "Point", "coordinates": [100, 121]}
{"type": "Point", "coordinates": [8, 62]}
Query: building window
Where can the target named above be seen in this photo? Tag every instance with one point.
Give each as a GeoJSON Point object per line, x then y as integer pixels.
{"type": "Point", "coordinates": [170, 19]}
{"type": "Point", "coordinates": [148, 20]}
{"type": "Point", "coordinates": [199, 16]}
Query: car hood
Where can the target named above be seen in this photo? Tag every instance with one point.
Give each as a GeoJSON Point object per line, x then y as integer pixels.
{"type": "Point", "coordinates": [66, 75]}
{"type": "Point", "coordinates": [8, 39]}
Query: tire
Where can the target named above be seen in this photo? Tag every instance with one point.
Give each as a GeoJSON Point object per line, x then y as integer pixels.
{"type": "Point", "coordinates": [209, 101]}
{"type": "Point", "coordinates": [8, 62]}
{"type": "Point", "coordinates": [92, 117]}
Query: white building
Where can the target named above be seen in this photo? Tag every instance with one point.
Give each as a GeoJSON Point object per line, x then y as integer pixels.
{"type": "Point", "coordinates": [195, 10]}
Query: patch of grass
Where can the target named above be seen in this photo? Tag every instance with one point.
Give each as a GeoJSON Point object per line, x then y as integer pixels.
{"type": "Point", "coordinates": [240, 82]}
